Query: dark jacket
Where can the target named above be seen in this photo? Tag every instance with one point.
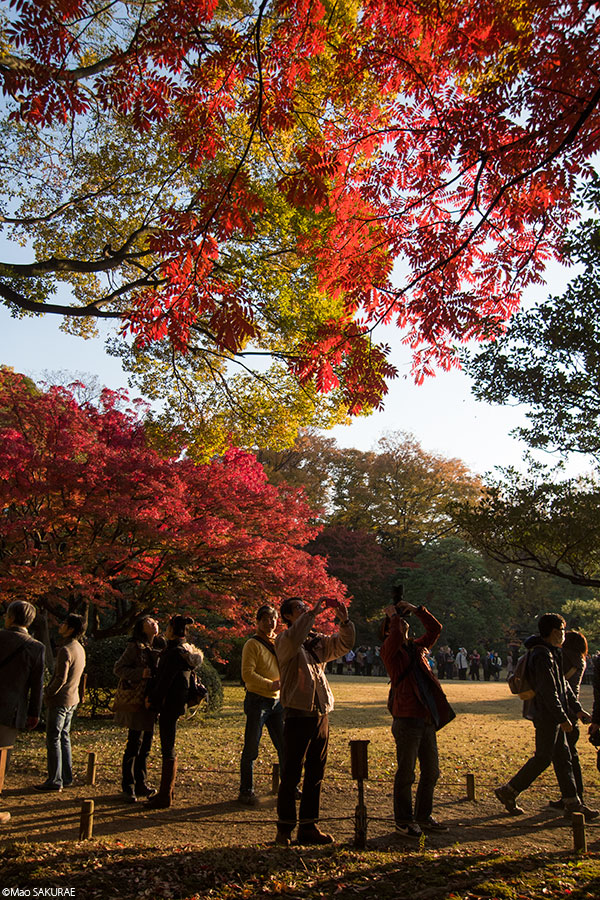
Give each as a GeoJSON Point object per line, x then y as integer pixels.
{"type": "Point", "coordinates": [129, 667]}
{"type": "Point", "coordinates": [554, 699]}
{"type": "Point", "coordinates": [408, 685]}
{"type": "Point", "coordinates": [169, 691]}
{"type": "Point", "coordinates": [21, 679]}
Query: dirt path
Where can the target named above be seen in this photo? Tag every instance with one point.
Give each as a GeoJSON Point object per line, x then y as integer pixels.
{"type": "Point", "coordinates": [207, 814]}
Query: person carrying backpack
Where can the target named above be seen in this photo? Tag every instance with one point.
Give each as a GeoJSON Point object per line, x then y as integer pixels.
{"type": "Point", "coordinates": [551, 709]}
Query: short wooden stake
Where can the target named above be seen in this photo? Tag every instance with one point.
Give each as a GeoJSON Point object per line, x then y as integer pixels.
{"type": "Point", "coordinates": [579, 839]}
{"type": "Point", "coordinates": [275, 779]}
{"type": "Point", "coordinates": [470, 786]}
{"type": "Point", "coordinates": [360, 771]}
{"type": "Point", "coordinates": [90, 778]}
{"type": "Point", "coordinates": [4, 754]}
{"type": "Point", "coordinates": [86, 821]}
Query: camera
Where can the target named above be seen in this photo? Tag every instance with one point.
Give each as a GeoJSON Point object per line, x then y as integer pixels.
{"type": "Point", "coordinates": [399, 601]}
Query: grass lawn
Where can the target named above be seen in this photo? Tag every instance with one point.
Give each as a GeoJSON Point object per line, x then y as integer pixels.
{"type": "Point", "coordinates": [206, 845]}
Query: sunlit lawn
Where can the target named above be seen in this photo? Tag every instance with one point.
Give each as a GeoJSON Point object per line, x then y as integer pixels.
{"type": "Point", "coordinates": [205, 848]}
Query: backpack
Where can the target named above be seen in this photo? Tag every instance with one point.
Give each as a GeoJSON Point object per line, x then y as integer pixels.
{"type": "Point", "coordinates": [197, 692]}
{"type": "Point", "coordinates": [519, 682]}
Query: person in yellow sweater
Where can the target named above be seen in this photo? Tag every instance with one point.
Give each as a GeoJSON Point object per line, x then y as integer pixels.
{"type": "Point", "coordinates": [260, 674]}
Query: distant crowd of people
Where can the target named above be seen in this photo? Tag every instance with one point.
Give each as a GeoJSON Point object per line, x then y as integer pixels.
{"type": "Point", "coordinates": [287, 691]}
{"type": "Point", "coordinates": [366, 660]}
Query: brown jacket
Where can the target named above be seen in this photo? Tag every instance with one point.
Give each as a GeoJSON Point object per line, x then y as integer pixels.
{"type": "Point", "coordinates": [63, 688]}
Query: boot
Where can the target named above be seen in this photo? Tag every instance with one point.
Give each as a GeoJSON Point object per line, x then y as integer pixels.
{"type": "Point", "coordinates": [311, 834]}
{"type": "Point", "coordinates": [164, 798]}
{"type": "Point", "coordinates": [508, 798]}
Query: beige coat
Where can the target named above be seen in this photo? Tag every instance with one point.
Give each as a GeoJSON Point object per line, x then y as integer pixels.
{"type": "Point", "coordinates": [303, 682]}
{"type": "Point", "coordinates": [63, 687]}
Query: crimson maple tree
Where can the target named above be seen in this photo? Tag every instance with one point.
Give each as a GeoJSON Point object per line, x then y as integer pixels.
{"type": "Point", "coordinates": [94, 519]}
{"type": "Point", "coordinates": [281, 177]}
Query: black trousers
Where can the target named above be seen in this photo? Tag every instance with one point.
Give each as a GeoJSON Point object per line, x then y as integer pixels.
{"type": "Point", "coordinates": [550, 747]}
{"type": "Point", "coordinates": [135, 760]}
{"type": "Point", "coordinates": [572, 738]}
{"type": "Point", "coordinates": [305, 743]}
{"type": "Point", "coordinates": [167, 728]}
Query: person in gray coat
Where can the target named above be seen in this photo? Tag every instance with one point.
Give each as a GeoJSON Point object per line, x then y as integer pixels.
{"type": "Point", "coordinates": [62, 696]}
{"type": "Point", "coordinates": [21, 676]}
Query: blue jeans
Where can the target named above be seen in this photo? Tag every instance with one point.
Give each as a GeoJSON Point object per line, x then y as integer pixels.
{"type": "Point", "coordinates": [58, 745]}
{"type": "Point", "coordinates": [260, 711]}
{"type": "Point", "coordinates": [415, 739]}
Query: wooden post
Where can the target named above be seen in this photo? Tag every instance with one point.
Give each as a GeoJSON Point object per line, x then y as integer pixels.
{"type": "Point", "coordinates": [86, 821]}
{"type": "Point", "coordinates": [4, 753]}
{"type": "Point", "coordinates": [275, 779]}
{"type": "Point", "coordinates": [90, 778]}
{"type": "Point", "coordinates": [579, 839]}
{"type": "Point", "coordinates": [470, 786]}
{"type": "Point", "coordinates": [359, 759]}
{"type": "Point", "coordinates": [360, 771]}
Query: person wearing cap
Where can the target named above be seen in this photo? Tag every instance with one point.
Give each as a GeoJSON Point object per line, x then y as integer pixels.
{"type": "Point", "coordinates": [61, 697]}
{"type": "Point", "coordinates": [419, 707]}
{"type": "Point", "coordinates": [260, 674]}
{"type": "Point", "coordinates": [307, 700]}
{"type": "Point", "coordinates": [21, 676]}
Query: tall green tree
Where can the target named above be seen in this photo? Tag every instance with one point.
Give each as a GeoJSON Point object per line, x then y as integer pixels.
{"type": "Point", "coordinates": [549, 356]}
{"type": "Point", "coordinates": [548, 360]}
{"type": "Point", "coordinates": [454, 582]}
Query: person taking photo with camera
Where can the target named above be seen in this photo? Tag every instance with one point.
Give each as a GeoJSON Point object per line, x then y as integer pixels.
{"type": "Point", "coordinates": [420, 708]}
{"type": "Point", "coordinates": [307, 700]}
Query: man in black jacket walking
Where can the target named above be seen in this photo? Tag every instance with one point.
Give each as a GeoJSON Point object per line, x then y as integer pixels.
{"type": "Point", "coordinates": [549, 710]}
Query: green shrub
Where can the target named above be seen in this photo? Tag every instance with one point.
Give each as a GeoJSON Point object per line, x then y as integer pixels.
{"type": "Point", "coordinates": [212, 680]}
{"type": "Point", "coordinates": [101, 682]}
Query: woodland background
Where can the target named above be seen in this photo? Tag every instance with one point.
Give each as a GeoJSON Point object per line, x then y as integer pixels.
{"type": "Point", "coordinates": [249, 192]}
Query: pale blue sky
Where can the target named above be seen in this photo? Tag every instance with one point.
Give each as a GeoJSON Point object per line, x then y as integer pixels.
{"type": "Point", "coordinates": [442, 413]}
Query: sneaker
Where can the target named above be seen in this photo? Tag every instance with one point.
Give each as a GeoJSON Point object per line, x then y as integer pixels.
{"type": "Point", "coordinates": [410, 830]}
{"type": "Point", "coordinates": [129, 797]}
{"type": "Point", "coordinates": [145, 791]}
{"type": "Point", "coordinates": [557, 804]}
{"type": "Point", "coordinates": [432, 824]}
{"type": "Point", "coordinates": [508, 799]}
{"type": "Point", "coordinates": [311, 834]}
{"type": "Point", "coordinates": [45, 787]}
{"type": "Point", "coordinates": [588, 813]}
{"type": "Point", "coordinates": [248, 798]}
